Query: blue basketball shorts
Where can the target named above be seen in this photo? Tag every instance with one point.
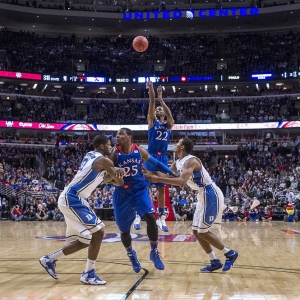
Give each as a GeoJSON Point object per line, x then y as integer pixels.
{"type": "Point", "coordinates": [128, 200]}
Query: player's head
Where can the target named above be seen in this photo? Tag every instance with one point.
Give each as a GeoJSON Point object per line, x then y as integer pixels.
{"type": "Point", "coordinates": [124, 136]}
{"type": "Point", "coordinates": [102, 144]}
{"type": "Point", "coordinates": [159, 112]}
{"type": "Point", "coordinates": [184, 145]}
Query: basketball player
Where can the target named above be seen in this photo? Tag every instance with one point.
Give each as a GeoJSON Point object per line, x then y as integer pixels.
{"type": "Point", "coordinates": [133, 196]}
{"type": "Point", "coordinates": [209, 206]}
{"type": "Point", "coordinates": [84, 228]}
{"type": "Point", "coordinates": [159, 133]}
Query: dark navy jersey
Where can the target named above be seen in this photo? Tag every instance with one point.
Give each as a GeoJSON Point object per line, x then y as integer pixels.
{"type": "Point", "coordinates": [132, 164]}
{"type": "Point", "coordinates": [158, 137]}
{"type": "Point", "coordinates": [241, 213]}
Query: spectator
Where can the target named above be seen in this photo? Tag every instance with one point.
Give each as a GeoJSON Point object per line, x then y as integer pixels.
{"type": "Point", "coordinates": [58, 216]}
{"type": "Point", "coordinates": [17, 213]}
{"type": "Point", "coordinates": [30, 214]}
{"type": "Point", "coordinates": [41, 214]}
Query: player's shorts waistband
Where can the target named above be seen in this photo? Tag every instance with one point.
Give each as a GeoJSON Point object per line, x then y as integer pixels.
{"type": "Point", "coordinates": [158, 153]}
{"type": "Point", "coordinates": [124, 186]}
{"type": "Point", "coordinates": [205, 186]}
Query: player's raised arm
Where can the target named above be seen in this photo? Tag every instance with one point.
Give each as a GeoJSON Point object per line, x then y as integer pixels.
{"type": "Point", "coordinates": [166, 109]}
{"type": "Point", "coordinates": [189, 167]}
{"type": "Point", "coordinates": [151, 110]}
{"type": "Point", "coordinates": [105, 163]}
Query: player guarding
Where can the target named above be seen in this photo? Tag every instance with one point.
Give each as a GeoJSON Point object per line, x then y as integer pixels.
{"type": "Point", "coordinates": [84, 228]}
{"type": "Point", "coordinates": [209, 206]}
{"type": "Point", "coordinates": [133, 196]}
{"type": "Point", "coordinates": [159, 133]}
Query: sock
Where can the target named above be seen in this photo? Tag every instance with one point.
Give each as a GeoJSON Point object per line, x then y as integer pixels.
{"type": "Point", "coordinates": [212, 255]}
{"type": "Point", "coordinates": [161, 211]}
{"type": "Point", "coordinates": [129, 249]}
{"type": "Point", "coordinates": [90, 265]}
{"type": "Point", "coordinates": [57, 254]}
{"type": "Point", "coordinates": [225, 250]}
{"type": "Point", "coordinates": [153, 246]}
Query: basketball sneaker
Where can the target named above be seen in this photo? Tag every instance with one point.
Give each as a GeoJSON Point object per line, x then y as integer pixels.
{"type": "Point", "coordinates": [231, 257]}
{"type": "Point", "coordinates": [137, 223]}
{"type": "Point", "coordinates": [49, 265]}
{"type": "Point", "coordinates": [90, 277]}
{"type": "Point", "coordinates": [214, 265]}
{"type": "Point", "coordinates": [161, 223]}
{"type": "Point", "coordinates": [136, 266]}
{"type": "Point", "coordinates": [155, 258]}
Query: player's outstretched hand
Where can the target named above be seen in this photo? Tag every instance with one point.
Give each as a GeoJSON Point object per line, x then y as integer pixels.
{"type": "Point", "coordinates": [150, 175]}
{"type": "Point", "coordinates": [159, 92]}
{"type": "Point", "coordinates": [120, 172]}
{"type": "Point", "coordinates": [149, 84]}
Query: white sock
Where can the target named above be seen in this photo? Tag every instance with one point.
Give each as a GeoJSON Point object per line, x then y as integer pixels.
{"type": "Point", "coordinates": [212, 255]}
{"type": "Point", "coordinates": [225, 250]}
{"type": "Point", "coordinates": [57, 254]}
{"type": "Point", "coordinates": [90, 265]}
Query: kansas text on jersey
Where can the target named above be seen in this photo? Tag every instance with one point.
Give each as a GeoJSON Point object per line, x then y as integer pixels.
{"type": "Point", "coordinates": [132, 164]}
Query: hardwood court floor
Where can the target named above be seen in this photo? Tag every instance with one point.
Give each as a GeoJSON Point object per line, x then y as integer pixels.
{"type": "Point", "coordinates": [268, 266]}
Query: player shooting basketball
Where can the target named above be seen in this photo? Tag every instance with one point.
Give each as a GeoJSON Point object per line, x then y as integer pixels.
{"type": "Point", "coordinates": [159, 133]}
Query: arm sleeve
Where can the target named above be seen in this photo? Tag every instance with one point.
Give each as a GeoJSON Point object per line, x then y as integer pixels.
{"type": "Point", "coordinates": [160, 166]}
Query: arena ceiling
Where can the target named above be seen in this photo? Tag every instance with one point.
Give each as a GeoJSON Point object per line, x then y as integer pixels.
{"type": "Point", "coordinates": [67, 22]}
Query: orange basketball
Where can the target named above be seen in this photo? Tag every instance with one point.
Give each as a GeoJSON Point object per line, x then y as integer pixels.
{"type": "Point", "coordinates": [140, 43]}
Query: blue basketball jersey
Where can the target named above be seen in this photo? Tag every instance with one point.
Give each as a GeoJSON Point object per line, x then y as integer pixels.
{"type": "Point", "coordinates": [159, 137]}
{"type": "Point", "coordinates": [132, 164]}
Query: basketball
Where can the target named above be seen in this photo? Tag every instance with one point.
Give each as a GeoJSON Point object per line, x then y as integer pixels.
{"type": "Point", "coordinates": [140, 44]}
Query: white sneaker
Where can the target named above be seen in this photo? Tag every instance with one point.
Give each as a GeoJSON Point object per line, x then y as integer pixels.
{"type": "Point", "coordinates": [90, 277]}
{"type": "Point", "coordinates": [161, 223]}
{"type": "Point", "coordinates": [137, 223]}
{"type": "Point", "coordinates": [49, 265]}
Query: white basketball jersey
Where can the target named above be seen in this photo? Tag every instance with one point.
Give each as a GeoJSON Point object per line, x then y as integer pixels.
{"type": "Point", "coordinates": [199, 178]}
{"type": "Point", "coordinates": [86, 180]}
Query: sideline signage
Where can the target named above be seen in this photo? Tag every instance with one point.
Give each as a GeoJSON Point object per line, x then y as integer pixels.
{"type": "Point", "coordinates": [190, 14]}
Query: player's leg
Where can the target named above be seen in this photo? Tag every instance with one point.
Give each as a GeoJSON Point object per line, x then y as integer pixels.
{"type": "Point", "coordinates": [137, 222]}
{"type": "Point", "coordinates": [161, 219]}
{"type": "Point", "coordinates": [209, 211]}
{"type": "Point", "coordinates": [124, 216]}
{"type": "Point", "coordinates": [161, 195]}
{"type": "Point", "coordinates": [145, 208]}
{"type": "Point", "coordinates": [215, 263]}
{"type": "Point", "coordinates": [80, 234]}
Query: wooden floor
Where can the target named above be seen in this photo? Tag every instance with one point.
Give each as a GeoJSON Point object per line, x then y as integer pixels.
{"type": "Point", "coordinates": [268, 266]}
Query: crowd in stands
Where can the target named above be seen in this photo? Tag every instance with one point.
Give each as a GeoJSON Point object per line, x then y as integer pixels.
{"type": "Point", "coordinates": [245, 53]}
{"type": "Point", "coordinates": [258, 52]}
{"type": "Point", "coordinates": [138, 5]}
{"type": "Point", "coordinates": [99, 111]}
{"type": "Point", "coordinates": [268, 171]}
{"type": "Point", "coordinates": [30, 52]}
{"type": "Point", "coordinates": [191, 54]}
{"type": "Point", "coordinates": [114, 56]}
